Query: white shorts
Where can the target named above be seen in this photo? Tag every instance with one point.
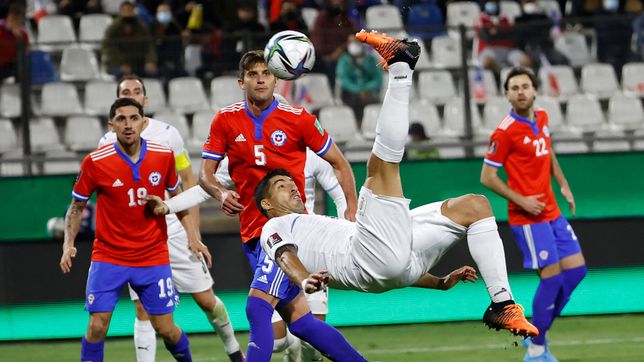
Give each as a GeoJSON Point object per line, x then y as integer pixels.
{"type": "Point", "coordinates": [318, 303]}
{"type": "Point", "coordinates": [190, 275]}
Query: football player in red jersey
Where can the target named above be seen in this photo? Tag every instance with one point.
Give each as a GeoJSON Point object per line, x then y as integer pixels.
{"type": "Point", "coordinates": [130, 244]}
{"type": "Point", "coordinates": [522, 145]}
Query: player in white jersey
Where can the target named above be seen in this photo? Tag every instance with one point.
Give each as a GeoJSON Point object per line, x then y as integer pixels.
{"type": "Point", "coordinates": [190, 271]}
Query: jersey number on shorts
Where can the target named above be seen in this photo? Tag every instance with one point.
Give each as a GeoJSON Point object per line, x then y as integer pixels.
{"type": "Point", "coordinates": [267, 267]}
{"type": "Point", "coordinates": [141, 194]}
{"type": "Point", "coordinates": [540, 146]}
{"type": "Point", "coordinates": [260, 156]}
{"type": "Point", "coordinates": [166, 288]}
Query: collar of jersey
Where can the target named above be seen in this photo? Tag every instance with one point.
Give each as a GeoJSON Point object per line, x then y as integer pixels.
{"type": "Point", "coordinates": [259, 121]}
{"type": "Point", "coordinates": [135, 167]}
{"type": "Point", "coordinates": [533, 125]}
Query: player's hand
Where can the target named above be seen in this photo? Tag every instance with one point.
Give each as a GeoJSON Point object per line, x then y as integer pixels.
{"type": "Point", "coordinates": [229, 203]}
{"type": "Point", "coordinates": [532, 204]}
{"type": "Point", "coordinates": [69, 252]}
{"type": "Point", "coordinates": [201, 250]}
{"type": "Point", "coordinates": [156, 205]}
{"type": "Point", "coordinates": [565, 191]}
{"type": "Point", "coordinates": [350, 213]}
{"type": "Point", "coordinates": [464, 274]}
{"type": "Point", "coordinates": [316, 282]}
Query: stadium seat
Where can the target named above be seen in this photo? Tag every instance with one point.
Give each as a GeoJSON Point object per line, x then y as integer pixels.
{"type": "Point", "coordinates": [454, 118]}
{"type": "Point", "coordinates": [54, 166]}
{"type": "Point", "coordinates": [312, 92]}
{"type": "Point", "coordinates": [599, 80]}
{"type": "Point", "coordinates": [155, 94]}
{"type": "Point", "coordinates": [425, 113]}
{"type": "Point", "coordinates": [8, 136]}
{"type": "Point", "coordinates": [633, 78]}
{"type": "Point", "coordinates": [186, 95]}
{"type": "Point", "coordinates": [638, 145]}
{"type": "Point", "coordinates": [573, 45]}
{"type": "Point", "coordinates": [60, 99]}
{"type": "Point", "coordinates": [625, 111]}
{"type": "Point", "coordinates": [92, 29]}
{"type": "Point", "coordinates": [446, 52]}
{"type": "Point", "coordinates": [43, 69]}
{"type": "Point", "coordinates": [550, 8]}
{"type": "Point", "coordinates": [383, 18]}
{"type": "Point", "coordinates": [553, 109]}
{"type": "Point", "coordinates": [448, 147]}
{"type": "Point", "coordinates": [192, 59]}
{"type": "Point", "coordinates": [200, 129]}
{"type": "Point", "coordinates": [610, 141]}
{"type": "Point", "coordinates": [571, 146]}
{"type": "Point", "coordinates": [55, 32]}
{"type": "Point", "coordinates": [495, 110]}
{"type": "Point", "coordinates": [510, 9]}
{"type": "Point", "coordinates": [83, 133]}
{"type": "Point", "coordinates": [462, 12]}
{"type": "Point", "coordinates": [585, 113]}
{"type": "Point", "coordinates": [340, 122]}
{"type": "Point", "coordinates": [225, 91]}
{"type": "Point", "coordinates": [488, 85]}
{"type": "Point", "coordinates": [43, 135]}
{"type": "Point", "coordinates": [369, 119]}
{"type": "Point", "coordinates": [425, 21]}
{"type": "Point", "coordinates": [78, 64]}
{"type": "Point", "coordinates": [178, 120]}
{"type": "Point", "coordinates": [11, 164]}
{"type": "Point", "coordinates": [436, 86]}
{"type": "Point", "coordinates": [309, 15]}
{"type": "Point", "coordinates": [111, 6]}
{"type": "Point", "coordinates": [563, 84]}
{"type": "Point", "coordinates": [10, 101]}
{"type": "Point", "coordinates": [97, 97]}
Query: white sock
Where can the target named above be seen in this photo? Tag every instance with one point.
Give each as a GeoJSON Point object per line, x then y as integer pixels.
{"type": "Point", "coordinates": [219, 320]}
{"type": "Point", "coordinates": [535, 349]}
{"type": "Point", "coordinates": [487, 251]}
{"type": "Point", "coordinates": [310, 354]}
{"type": "Point", "coordinates": [392, 125]}
{"type": "Point", "coordinates": [145, 341]}
{"type": "Point", "coordinates": [292, 348]}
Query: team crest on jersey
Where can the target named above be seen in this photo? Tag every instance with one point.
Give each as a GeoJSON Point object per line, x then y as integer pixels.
{"type": "Point", "coordinates": [546, 131]}
{"type": "Point", "coordinates": [154, 178]}
{"type": "Point", "coordinates": [278, 138]}
{"type": "Point", "coordinates": [492, 148]}
{"type": "Point", "coordinates": [274, 240]}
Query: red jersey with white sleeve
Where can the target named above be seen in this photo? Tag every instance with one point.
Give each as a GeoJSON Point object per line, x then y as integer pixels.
{"type": "Point", "coordinates": [126, 232]}
{"type": "Point", "coordinates": [256, 145]}
{"type": "Point", "coordinates": [523, 148]}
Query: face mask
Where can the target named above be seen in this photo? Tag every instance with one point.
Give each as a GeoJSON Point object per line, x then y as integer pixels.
{"type": "Point", "coordinates": [355, 49]}
{"type": "Point", "coordinates": [611, 5]}
{"type": "Point", "coordinates": [164, 17]}
{"type": "Point", "coordinates": [491, 8]}
{"type": "Point", "coordinates": [530, 8]}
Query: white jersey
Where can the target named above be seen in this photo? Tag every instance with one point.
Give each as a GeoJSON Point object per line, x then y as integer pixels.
{"type": "Point", "coordinates": [315, 169]}
{"type": "Point", "coordinates": [167, 135]}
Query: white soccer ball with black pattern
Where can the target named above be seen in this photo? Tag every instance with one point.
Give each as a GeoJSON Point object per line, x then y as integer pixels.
{"type": "Point", "coordinates": [289, 54]}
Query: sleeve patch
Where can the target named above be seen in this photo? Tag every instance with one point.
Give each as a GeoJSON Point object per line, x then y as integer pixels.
{"type": "Point", "coordinates": [273, 240]}
{"type": "Point", "coordinates": [319, 127]}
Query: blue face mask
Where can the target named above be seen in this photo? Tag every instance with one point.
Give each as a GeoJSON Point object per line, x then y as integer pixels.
{"type": "Point", "coordinates": [611, 5]}
{"type": "Point", "coordinates": [164, 17]}
{"type": "Point", "coordinates": [491, 8]}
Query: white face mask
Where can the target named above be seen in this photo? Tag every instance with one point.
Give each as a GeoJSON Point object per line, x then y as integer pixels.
{"type": "Point", "coordinates": [355, 49]}
{"type": "Point", "coordinates": [530, 8]}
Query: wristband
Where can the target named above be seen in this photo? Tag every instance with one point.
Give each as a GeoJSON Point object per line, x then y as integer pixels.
{"type": "Point", "coordinates": [303, 285]}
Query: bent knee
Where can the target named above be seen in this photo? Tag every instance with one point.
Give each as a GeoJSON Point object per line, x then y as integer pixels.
{"type": "Point", "coordinates": [480, 205]}
{"type": "Point", "coordinates": [467, 209]}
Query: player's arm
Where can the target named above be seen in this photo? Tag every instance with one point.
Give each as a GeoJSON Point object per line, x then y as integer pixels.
{"type": "Point", "coordinates": [430, 281]}
{"type": "Point", "coordinates": [73, 219]}
{"type": "Point", "coordinates": [214, 188]}
{"type": "Point", "coordinates": [347, 181]}
{"type": "Point", "coordinates": [558, 174]}
{"type": "Point", "coordinates": [324, 175]}
{"type": "Point", "coordinates": [287, 259]}
{"type": "Point", "coordinates": [490, 179]}
{"type": "Point", "coordinates": [192, 230]}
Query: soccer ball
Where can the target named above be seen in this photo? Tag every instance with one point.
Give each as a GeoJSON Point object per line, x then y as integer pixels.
{"type": "Point", "coordinates": [289, 54]}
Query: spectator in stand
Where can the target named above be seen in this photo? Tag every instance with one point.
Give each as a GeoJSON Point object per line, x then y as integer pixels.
{"type": "Point", "coordinates": [329, 34]}
{"type": "Point", "coordinates": [290, 18]}
{"type": "Point", "coordinates": [495, 38]}
{"type": "Point", "coordinates": [534, 34]}
{"type": "Point", "coordinates": [169, 43]}
{"type": "Point", "coordinates": [76, 8]}
{"type": "Point", "coordinates": [614, 34]}
{"type": "Point", "coordinates": [359, 76]}
{"type": "Point", "coordinates": [242, 35]}
{"type": "Point", "coordinates": [11, 31]}
{"type": "Point", "coordinates": [418, 146]}
{"type": "Point", "coordinates": [128, 47]}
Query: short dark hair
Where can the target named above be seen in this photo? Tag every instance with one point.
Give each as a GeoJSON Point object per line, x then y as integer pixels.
{"type": "Point", "coordinates": [16, 9]}
{"type": "Point", "coordinates": [249, 59]}
{"type": "Point", "coordinates": [124, 102]}
{"type": "Point", "coordinates": [130, 77]}
{"type": "Point", "coordinates": [261, 190]}
{"type": "Point", "coordinates": [126, 3]}
{"type": "Point", "coordinates": [517, 71]}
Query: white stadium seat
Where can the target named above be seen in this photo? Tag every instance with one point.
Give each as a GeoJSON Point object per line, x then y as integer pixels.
{"type": "Point", "coordinates": [610, 141]}
{"type": "Point", "coordinates": [550, 7]}
{"type": "Point", "coordinates": [625, 111]}
{"type": "Point", "coordinates": [55, 32]}
{"type": "Point", "coordinates": [446, 52]}
{"type": "Point", "coordinates": [569, 142]}
{"type": "Point", "coordinates": [454, 118]}
{"type": "Point", "coordinates": [489, 83]}
{"type": "Point", "coordinates": [225, 91]}
{"type": "Point", "coordinates": [60, 99]}
{"type": "Point", "coordinates": [494, 111]}
{"type": "Point", "coordinates": [383, 18]}
{"type": "Point", "coordinates": [309, 15]}
{"type": "Point", "coordinates": [340, 123]}
{"type": "Point", "coordinates": [599, 80]}
{"type": "Point", "coordinates": [425, 113]}
{"type": "Point", "coordinates": [573, 45]}
{"type": "Point", "coordinates": [585, 113]}
{"type": "Point", "coordinates": [155, 94]}
{"type": "Point", "coordinates": [78, 64]}
{"type": "Point", "coordinates": [10, 101]}
{"type": "Point", "coordinates": [54, 166]}
{"type": "Point", "coordinates": [177, 120]}
{"type": "Point", "coordinates": [8, 136]}
{"type": "Point", "coordinates": [43, 135]}
{"type": "Point", "coordinates": [97, 97]}
{"type": "Point", "coordinates": [312, 91]}
{"type": "Point", "coordinates": [553, 109]}
{"type": "Point", "coordinates": [187, 95]}
{"type": "Point", "coordinates": [83, 133]}
{"type": "Point", "coordinates": [424, 62]}
{"type": "Point", "coordinates": [92, 29]}
{"type": "Point", "coordinates": [111, 6]}
{"type": "Point", "coordinates": [510, 9]}
{"type": "Point", "coordinates": [11, 164]}
{"type": "Point", "coordinates": [633, 78]}
{"type": "Point", "coordinates": [565, 80]}
{"type": "Point", "coordinates": [200, 129]}
{"type": "Point", "coordinates": [436, 86]}
{"type": "Point", "coordinates": [369, 119]}
{"type": "Point", "coordinates": [462, 12]}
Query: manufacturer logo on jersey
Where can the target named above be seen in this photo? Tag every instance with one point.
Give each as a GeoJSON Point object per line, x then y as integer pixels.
{"type": "Point", "coordinates": [90, 299]}
{"type": "Point", "coordinates": [263, 279]}
{"type": "Point", "coordinates": [240, 138]}
{"type": "Point", "coordinates": [526, 140]}
{"type": "Point", "coordinates": [492, 147]}
{"type": "Point", "coordinates": [154, 178]}
{"type": "Point", "coordinates": [278, 138]}
{"type": "Point", "coordinates": [117, 183]}
{"type": "Point", "coordinates": [546, 131]}
{"type": "Point", "coordinates": [543, 254]}
{"type": "Point", "coordinates": [319, 127]}
{"type": "Point", "coordinates": [274, 240]}
{"type": "Point", "coordinates": [170, 303]}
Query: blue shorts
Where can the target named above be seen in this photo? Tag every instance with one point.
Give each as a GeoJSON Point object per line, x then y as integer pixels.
{"type": "Point", "coordinates": [251, 249]}
{"type": "Point", "coordinates": [545, 243]}
{"type": "Point", "coordinates": [270, 279]}
{"type": "Point", "coordinates": [153, 284]}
